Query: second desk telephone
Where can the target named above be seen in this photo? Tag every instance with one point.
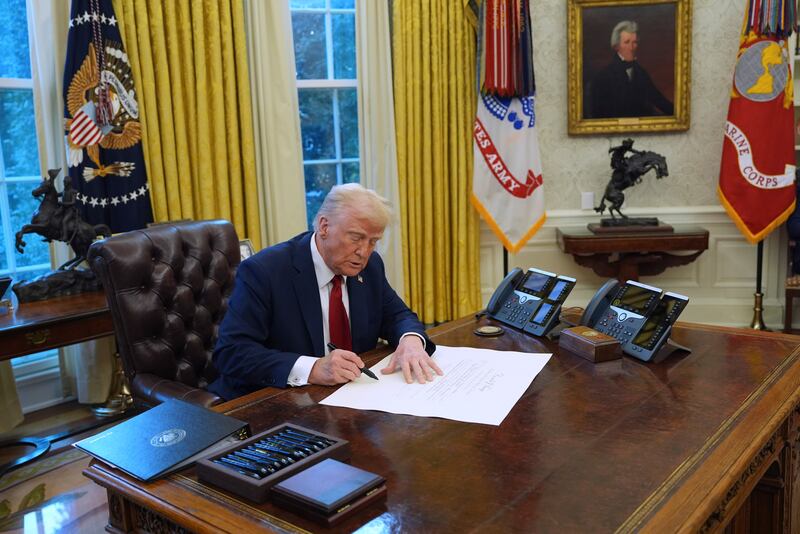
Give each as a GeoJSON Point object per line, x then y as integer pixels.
{"type": "Point", "coordinates": [636, 314]}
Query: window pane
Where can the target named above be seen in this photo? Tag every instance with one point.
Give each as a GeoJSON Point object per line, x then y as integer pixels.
{"type": "Point", "coordinates": [343, 4]}
{"type": "Point", "coordinates": [15, 59]}
{"type": "Point", "coordinates": [309, 46]}
{"type": "Point", "coordinates": [351, 173]}
{"type": "Point", "coordinates": [18, 133]}
{"type": "Point", "coordinates": [319, 180]}
{"type": "Point", "coordinates": [3, 260]}
{"type": "Point", "coordinates": [344, 46]}
{"type": "Point", "coordinates": [30, 275]}
{"type": "Point", "coordinates": [36, 357]}
{"type": "Point", "coordinates": [23, 204]}
{"type": "Point", "coordinates": [316, 123]}
{"type": "Point", "coordinates": [295, 4]}
{"type": "Point", "coordinates": [348, 122]}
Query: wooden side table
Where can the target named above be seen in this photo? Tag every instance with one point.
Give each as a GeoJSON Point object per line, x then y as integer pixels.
{"type": "Point", "coordinates": [48, 324]}
{"type": "Point", "coordinates": [627, 256]}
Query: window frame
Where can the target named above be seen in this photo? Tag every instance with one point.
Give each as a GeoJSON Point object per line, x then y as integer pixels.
{"type": "Point", "coordinates": [330, 83]}
{"type": "Point", "coordinates": [37, 363]}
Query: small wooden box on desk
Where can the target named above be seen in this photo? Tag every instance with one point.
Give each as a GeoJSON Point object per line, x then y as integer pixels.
{"type": "Point", "coordinates": [590, 344]}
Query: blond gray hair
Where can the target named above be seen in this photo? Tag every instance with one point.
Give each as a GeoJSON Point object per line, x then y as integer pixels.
{"type": "Point", "coordinates": [628, 26]}
{"type": "Point", "coordinates": [368, 203]}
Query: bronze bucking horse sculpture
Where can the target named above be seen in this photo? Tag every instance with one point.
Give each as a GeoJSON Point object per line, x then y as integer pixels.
{"type": "Point", "coordinates": [60, 220]}
{"type": "Point", "coordinates": [628, 171]}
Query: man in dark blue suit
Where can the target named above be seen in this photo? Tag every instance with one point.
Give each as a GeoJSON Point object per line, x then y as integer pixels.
{"type": "Point", "coordinates": [284, 310]}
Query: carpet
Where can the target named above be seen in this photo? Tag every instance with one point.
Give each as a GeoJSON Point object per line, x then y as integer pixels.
{"type": "Point", "coordinates": [52, 495]}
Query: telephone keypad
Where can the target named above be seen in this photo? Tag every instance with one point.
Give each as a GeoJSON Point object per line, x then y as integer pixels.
{"type": "Point", "coordinates": [622, 327]}
{"type": "Point", "coordinates": [517, 310]}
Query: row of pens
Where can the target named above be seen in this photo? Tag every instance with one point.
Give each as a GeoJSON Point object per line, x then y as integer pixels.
{"type": "Point", "coordinates": [272, 453]}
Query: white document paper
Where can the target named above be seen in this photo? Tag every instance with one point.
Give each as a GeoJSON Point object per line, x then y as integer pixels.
{"type": "Point", "coordinates": [478, 386]}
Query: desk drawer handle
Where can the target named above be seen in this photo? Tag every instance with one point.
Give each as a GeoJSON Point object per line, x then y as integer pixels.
{"type": "Point", "coordinates": [38, 337]}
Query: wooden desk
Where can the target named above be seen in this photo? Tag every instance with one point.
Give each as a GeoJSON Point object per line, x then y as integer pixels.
{"type": "Point", "coordinates": [49, 324]}
{"type": "Point", "coordinates": [668, 447]}
{"type": "Point", "coordinates": [628, 256]}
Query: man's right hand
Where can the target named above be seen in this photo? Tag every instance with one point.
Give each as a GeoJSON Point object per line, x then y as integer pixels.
{"type": "Point", "coordinates": [338, 367]}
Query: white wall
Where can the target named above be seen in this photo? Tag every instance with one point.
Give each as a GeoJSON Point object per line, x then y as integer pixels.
{"type": "Point", "coordinates": [722, 281]}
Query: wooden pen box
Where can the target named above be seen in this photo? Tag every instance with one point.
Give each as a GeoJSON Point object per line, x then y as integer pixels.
{"type": "Point", "coordinates": [329, 492]}
{"type": "Point", "coordinates": [230, 474]}
{"type": "Point", "coordinates": [590, 344]}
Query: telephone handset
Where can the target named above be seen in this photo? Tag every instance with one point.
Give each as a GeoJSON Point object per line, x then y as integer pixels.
{"type": "Point", "coordinates": [504, 290]}
{"type": "Point", "coordinates": [599, 303]}
{"type": "Point", "coordinates": [636, 314]}
{"type": "Point", "coordinates": [531, 300]}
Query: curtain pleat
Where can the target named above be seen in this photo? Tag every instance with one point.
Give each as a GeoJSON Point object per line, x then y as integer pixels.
{"type": "Point", "coordinates": [276, 119]}
{"type": "Point", "coordinates": [189, 63]}
{"type": "Point", "coordinates": [376, 126]}
{"type": "Point", "coordinates": [434, 72]}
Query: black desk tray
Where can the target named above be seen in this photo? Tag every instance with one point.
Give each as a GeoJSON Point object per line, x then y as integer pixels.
{"type": "Point", "coordinates": [241, 480]}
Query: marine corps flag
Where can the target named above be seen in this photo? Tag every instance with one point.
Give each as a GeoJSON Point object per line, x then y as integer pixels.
{"type": "Point", "coordinates": [101, 121]}
{"type": "Point", "coordinates": [757, 174]}
{"type": "Point", "coordinates": [507, 178]}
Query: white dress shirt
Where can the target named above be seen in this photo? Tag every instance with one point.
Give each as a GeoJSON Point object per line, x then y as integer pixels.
{"type": "Point", "coordinates": [301, 370]}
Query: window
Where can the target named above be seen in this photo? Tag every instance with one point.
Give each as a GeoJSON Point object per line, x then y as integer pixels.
{"type": "Point", "coordinates": [325, 59]}
{"type": "Point", "coordinates": [19, 159]}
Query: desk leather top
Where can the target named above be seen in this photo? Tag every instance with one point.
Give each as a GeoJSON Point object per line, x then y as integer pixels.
{"type": "Point", "coordinates": [589, 447]}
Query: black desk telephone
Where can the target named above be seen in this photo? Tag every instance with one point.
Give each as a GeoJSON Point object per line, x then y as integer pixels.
{"type": "Point", "coordinates": [638, 315]}
{"type": "Point", "coordinates": [531, 300]}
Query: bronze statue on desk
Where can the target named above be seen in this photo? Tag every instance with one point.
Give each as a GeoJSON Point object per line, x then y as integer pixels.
{"type": "Point", "coordinates": [59, 220]}
{"type": "Point", "coordinates": [628, 171]}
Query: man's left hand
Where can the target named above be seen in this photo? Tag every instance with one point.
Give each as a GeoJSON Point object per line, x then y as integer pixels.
{"type": "Point", "coordinates": [412, 359]}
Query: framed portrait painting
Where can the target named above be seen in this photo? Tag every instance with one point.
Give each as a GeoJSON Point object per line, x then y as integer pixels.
{"type": "Point", "coordinates": [629, 65]}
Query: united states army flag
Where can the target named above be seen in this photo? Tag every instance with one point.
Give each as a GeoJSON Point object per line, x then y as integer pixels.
{"type": "Point", "coordinates": [507, 182]}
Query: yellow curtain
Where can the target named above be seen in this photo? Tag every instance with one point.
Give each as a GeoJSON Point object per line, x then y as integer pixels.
{"type": "Point", "coordinates": [189, 63]}
{"type": "Point", "coordinates": [435, 102]}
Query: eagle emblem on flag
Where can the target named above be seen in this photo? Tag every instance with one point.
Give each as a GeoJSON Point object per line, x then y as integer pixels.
{"type": "Point", "coordinates": [123, 130]}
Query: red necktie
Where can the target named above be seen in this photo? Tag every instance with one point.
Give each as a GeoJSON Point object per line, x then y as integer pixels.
{"type": "Point", "coordinates": [338, 322]}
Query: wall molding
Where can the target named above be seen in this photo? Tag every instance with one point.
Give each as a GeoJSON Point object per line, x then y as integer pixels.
{"type": "Point", "coordinates": [720, 283]}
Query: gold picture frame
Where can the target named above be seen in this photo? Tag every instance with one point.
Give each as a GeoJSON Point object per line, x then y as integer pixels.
{"type": "Point", "coordinates": [664, 29]}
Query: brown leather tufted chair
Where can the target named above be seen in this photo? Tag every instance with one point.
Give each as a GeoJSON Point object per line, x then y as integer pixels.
{"type": "Point", "coordinates": [168, 288]}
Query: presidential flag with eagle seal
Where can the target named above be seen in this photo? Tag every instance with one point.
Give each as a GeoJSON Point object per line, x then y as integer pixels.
{"type": "Point", "coordinates": [757, 173]}
{"type": "Point", "coordinates": [101, 119]}
{"type": "Point", "coordinates": [507, 185]}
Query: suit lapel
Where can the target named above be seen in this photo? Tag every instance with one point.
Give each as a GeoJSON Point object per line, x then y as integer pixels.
{"type": "Point", "coordinates": [307, 290]}
{"type": "Point", "coordinates": [357, 294]}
